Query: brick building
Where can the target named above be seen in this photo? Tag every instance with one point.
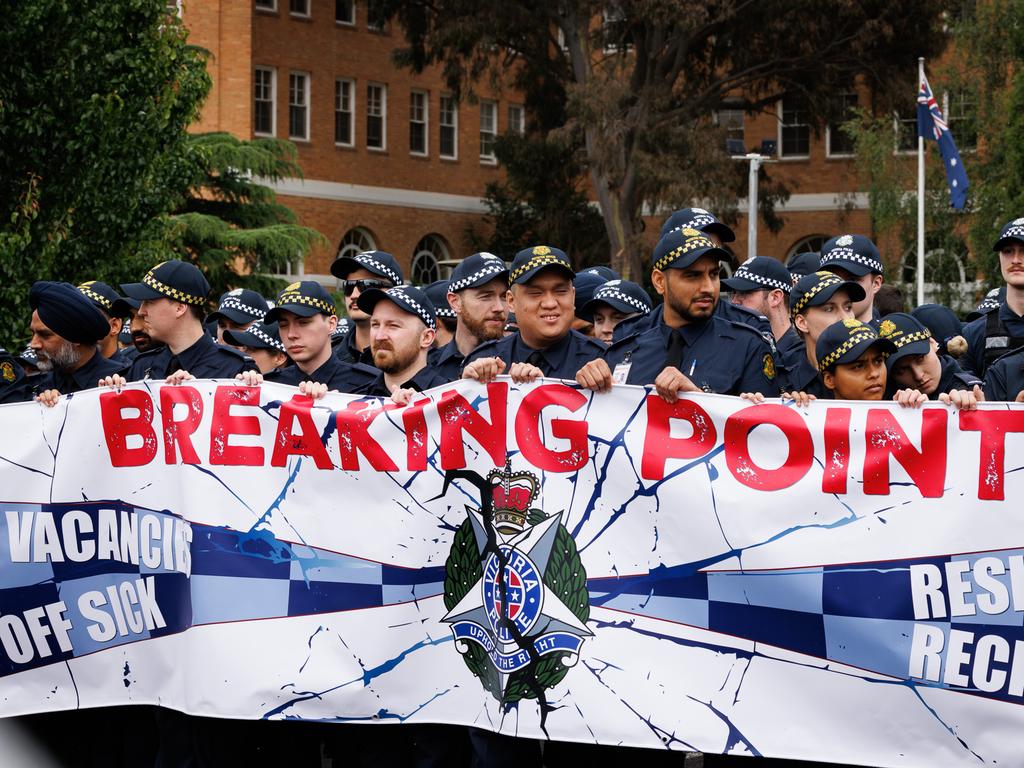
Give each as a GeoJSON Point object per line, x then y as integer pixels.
{"type": "Point", "coordinates": [390, 161]}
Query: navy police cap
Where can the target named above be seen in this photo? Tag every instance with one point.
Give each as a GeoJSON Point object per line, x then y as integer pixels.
{"type": "Point", "coordinates": [380, 263]}
{"type": "Point", "coordinates": [256, 336]}
{"type": "Point", "coordinates": [68, 312]}
{"type": "Point", "coordinates": [680, 248]}
{"type": "Point", "coordinates": [818, 287]}
{"type": "Point", "coordinates": [854, 253]}
{"type": "Point", "coordinates": [241, 306]}
{"type": "Point", "coordinates": [1013, 232]}
{"type": "Point", "coordinates": [801, 264]}
{"type": "Point", "coordinates": [174, 279]}
{"type": "Point", "coordinates": [529, 261]}
{"type": "Point", "coordinates": [844, 342]}
{"type": "Point", "coordinates": [621, 295]}
{"type": "Point", "coordinates": [406, 297]}
{"type": "Point", "coordinates": [305, 299]}
{"type": "Point", "coordinates": [758, 274]}
{"type": "Point", "coordinates": [106, 298]}
{"type": "Point", "coordinates": [476, 270]}
{"type": "Point", "coordinates": [699, 219]}
{"type": "Point", "coordinates": [437, 292]}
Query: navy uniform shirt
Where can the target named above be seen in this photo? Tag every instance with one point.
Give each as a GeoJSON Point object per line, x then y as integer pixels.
{"type": "Point", "coordinates": [206, 359]}
{"type": "Point", "coordinates": [974, 332]}
{"type": "Point", "coordinates": [338, 376]}
{"type": "Point", "coordinates": [425, 378]}
{"type": "Point", "coordinates": [346, 350]}
{"type": "Point", "coordinates": [13, 381]}
{"type": "Point", "coordinates": [125, 356]}
{"type": "Point", "coordinates": [798, 374]}
{"type": "Point", "coordinates": [561, 360]}
{"type": "Point", "coordinates": [726, 309]}
{"type": "Point", "coordinates": [87, 377]}
{"type": "Point", "coordinates": [1005, 378]}
{"type": "Point", "coordinates": [447, 361]}
{"type": "Point", "coordinates": [718, 356]}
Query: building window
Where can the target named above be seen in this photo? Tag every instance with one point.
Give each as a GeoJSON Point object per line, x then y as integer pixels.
{"type": "Point", "coordinates": [298, 106]}
{"type": "Point", "coordinates": [615, 30]}
{"type": "Point", "coordinates": [298, 8]}
{"type": "Point", "coordinates": [904, 126]}
{"type": "Point", "coordinates": [264, 85]}
{"type": "Point", "coordinates": [344, 113]}
{"type": "Point", "coordinates": [356, 240]}
{"type": "Point", "coordinates": [345, 12]}
{"type": "Point", "coordinates": [809, 244]}
{"type": "Point", "coordinates": [266, 5]}
{"type": "Point", "coordinates": [418, 112]}
{"type": "Point", "coordinates": [488, 130]}
{"type": "Point", "coordinates": [516, 119]}
{"type": "Point", "coordinates": [961, 114]}
{"type": "Point", "coordinates": [426, 267]}
{"type": "Point", "coordinates": [449, 129]}
{"type": "Point", "coordinates": [794, 128]}
{"type": "Point", "coordinates": [730, 120]}
{"type": "Point", "coordinates": [838, 143]}
{"type": "Point", "coordinates": [376, 114]}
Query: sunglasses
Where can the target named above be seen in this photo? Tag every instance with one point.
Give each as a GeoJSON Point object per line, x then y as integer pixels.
{"type": "Point", "coordinates": [348, 286]}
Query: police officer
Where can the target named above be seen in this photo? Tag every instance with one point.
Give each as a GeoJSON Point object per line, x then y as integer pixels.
{"type": "Point", "coordinates": [584, 285]}
{"type": "Point", "coordinates": [172, 295]}
{"type": "Point", "coordinates": [66, 331]}
{"type": "Point", "coordinates": [1004, 380]}
{"type": "Point", "coordinates": [360, 273]}
{"type": "Point", "coordinates": [614, 302]}
{"type": "Point", "coordinates": [238, 309]}
{"type": "Point", "coordinates": [116, 309]}
{"type": "Point", "coordinates": [817, 301]}
{"type": "Point", "coordinates": [261, 342]}
{"type": "Point", "coordinates": [1001, 330]}
{"type": "Point", "coordinates": [437, 293]}
{"type": "Point", "coordinates": [851, 360]}
{"type": "Point", "coordinates": [803, 263]}
{"type": "Point", "coordinates": [304, 313]}
{"type": "Point", "coordinates": [856, 259]}
{"type": "Point", "coordinates": [542, 297]}
{"type": "Point", "coordinates": [993, 300]}
{"type": "Point", "coordinates": [12, 379]}
{"type": "Point", "coordinates": [691, 348]}
{"type": "Point", "coordinates": [763, 285]}
{"type": "Point", "coordinates": [477, 294]}
{"type": "Point", "coordinates": [917, 365]}
{"type": "Point", "coordinates": [402, 328]}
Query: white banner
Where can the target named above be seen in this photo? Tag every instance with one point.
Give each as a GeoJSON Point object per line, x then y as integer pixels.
{"type": "Point", "coordinates": [844, 583]}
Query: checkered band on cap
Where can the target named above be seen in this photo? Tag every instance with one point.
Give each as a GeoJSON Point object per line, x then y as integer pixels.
{"type": "Point", "coordinates": [495, 268]}
{"type": "Point", "coordinates": [866, 334]}
{"type": "Point", "coordinates": [1016, 229]}
{"type": "Point", "coordinates": [826, 280]}
{"type": "Point", "coordinates": [702, 219]}
{"type": "Point", "coordinates": [232, 302]}
{"type": "Point", "coordinates": [989, 302]}
{"type": "Point", "coordinates": [536, 262]}
{"type": "Point", "coordinates": [266, 338]}
{"type": "Point", "coordinates": [367, 260]}
{"type": "Point", "coordinates": [691, 243]}
{"type": "Point", "coordinates": [172, 293]}
{"type": "Point", "coordinates": [89, 293]}
{"type": "Point", "coordinates": [446, 311]}
{"type": "Point", "coordinates": [605, 292]}
{"type": "Point", "coordinates": [294, 297]}
{"type": "Point", "coordinates": [910, 338]}
{"type": "Point", "coordinates": [841, 253]}
{"type": "Point", "coordinates": [745, 274]}
{"type": "Point", "coordinates": [407, 301]}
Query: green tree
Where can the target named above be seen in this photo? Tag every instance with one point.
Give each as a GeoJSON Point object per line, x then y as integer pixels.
{"type": "Point", "coordinates": [639, 79]}
{"type": "Point", "coordinates": [95, 97]}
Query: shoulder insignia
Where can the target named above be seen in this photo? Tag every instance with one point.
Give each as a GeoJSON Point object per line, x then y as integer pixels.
{"type": "Point", "coordinates": [768, 366]}
{"type": "Point", "coordinates": [7, 371]}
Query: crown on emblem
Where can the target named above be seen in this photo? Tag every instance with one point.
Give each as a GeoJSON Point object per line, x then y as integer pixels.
{"type": "Point", "coordinates": [541, 250]}
{"type": "Point", "coordinates": [512, 494]}
{"type": "Point", "coordinates": [887, 328]}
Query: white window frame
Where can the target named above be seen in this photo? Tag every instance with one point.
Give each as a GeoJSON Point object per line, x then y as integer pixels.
{"type": "Point", "coordinates": [271, 7]}
{"type": "Point", "coordinates": [308, 91]}
{"type": "Point", "coordinates": [783, 156]}
{"type": "Point", "coordinates": [299, 14]}
{"type": "Point", "coordinates": [521, 130]}
{"type": "Point", "coordinates": [454, 127]}
{"type": "Point", "coordinates": [828, 136]}
{"type": "Point", "coordinates": [425, 121]}
{"type": "Point", "coordinates": [273, 100]}
{"type": "Point", "coordinates": [383, 117]}
{"type": "Point", "coordinates": [345, 23]}
{"type": "Point", "coordinates": [950, 120]}
{"type": "Point", "coordinates": [352, 111]}
{"type": "Point", "coordinates": [488, 159]}
{"type": "Point", "coordinates": [896, 120]}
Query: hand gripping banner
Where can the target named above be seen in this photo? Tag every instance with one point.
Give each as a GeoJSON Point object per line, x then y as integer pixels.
{"type": "Point", "coordinates": [842, 583]}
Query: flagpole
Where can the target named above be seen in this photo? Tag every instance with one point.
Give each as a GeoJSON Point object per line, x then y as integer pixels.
{"type": "Point", "coordinates": [920, 198]}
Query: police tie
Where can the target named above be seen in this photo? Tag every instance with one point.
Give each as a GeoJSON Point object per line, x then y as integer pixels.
{"type": "Point", "coordinates": [537, 358]}
{"type": "Point", "coordinates": [674, 355]}
{"type": "Point", "coordinates": [173, 365]}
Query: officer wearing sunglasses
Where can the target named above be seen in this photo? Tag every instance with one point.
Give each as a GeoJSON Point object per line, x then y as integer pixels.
{"type": "Point", "coordinates": [361, 273]}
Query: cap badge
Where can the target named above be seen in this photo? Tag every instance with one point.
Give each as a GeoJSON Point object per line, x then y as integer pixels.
{"type": "Point", "coordinates": [845, 240]}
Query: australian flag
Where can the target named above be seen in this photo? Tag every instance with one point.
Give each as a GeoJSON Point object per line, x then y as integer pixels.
{"type": "Point", "coordinates": [932, 125]}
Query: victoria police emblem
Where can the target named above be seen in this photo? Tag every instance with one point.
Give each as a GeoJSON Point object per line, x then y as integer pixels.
{"type": "Point", "coordinates": [515, 590]}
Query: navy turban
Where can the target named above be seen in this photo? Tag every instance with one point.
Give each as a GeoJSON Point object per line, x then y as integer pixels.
{"type": "Point", "coordinates": [67, 312]}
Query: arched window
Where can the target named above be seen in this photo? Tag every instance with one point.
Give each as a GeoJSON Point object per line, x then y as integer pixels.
{"type": "Point", "coordinates": [355, 241]}
{"type": "Point", "coordinates": [811, 244]}
{"type": "Point", "coordinates": [425, 259]}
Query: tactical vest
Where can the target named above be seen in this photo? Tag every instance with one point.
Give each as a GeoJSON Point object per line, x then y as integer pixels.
{"type": "Point", "coordinates": [998, 340]}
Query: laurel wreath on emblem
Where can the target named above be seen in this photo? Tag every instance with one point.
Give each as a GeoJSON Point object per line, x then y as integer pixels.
{"type": "Point", "coordinates": [565, 576]}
